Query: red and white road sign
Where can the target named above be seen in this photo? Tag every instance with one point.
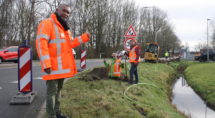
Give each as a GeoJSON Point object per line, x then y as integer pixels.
{"type": "Point", "coordinates": [25, 69]}
{"type": "Point", "coordinates": [127, 43]}
{"type": "Point", "coordinates": [130, 32]}
{"type": "Point", "coordinates": [83, 59]}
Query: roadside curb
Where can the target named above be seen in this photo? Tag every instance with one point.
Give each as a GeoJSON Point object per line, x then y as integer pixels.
{"type": "Point", "coordinates": [42, 111]}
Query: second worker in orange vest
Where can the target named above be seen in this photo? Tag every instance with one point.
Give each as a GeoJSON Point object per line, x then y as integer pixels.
{"type": "Point", "coordinates": [134, 59]}
{"type": "Point", "coordinates": [117, 68]}
{"type": "Point", "coordinates": [54, 45]}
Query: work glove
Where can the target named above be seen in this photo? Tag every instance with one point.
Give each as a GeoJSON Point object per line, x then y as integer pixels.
{"type": "Point", "coordinates": [88, 34]}
{"type": "Point", "coordinates": [48, 70]}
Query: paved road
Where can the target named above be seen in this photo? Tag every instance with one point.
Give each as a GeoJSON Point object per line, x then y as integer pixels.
{"type": "Point", "coordinates": [8, 88]}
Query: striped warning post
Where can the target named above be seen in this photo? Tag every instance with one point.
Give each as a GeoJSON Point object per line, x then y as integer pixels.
{"type": "Point", "coordinates": [24, 69]}
{"type": "Point", "coordinates": [83, 59]}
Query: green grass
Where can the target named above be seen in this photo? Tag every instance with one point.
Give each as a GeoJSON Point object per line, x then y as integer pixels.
{"type": "Point", "coordinates": [105, 98]}
{"type": "Point", "coordinates": [181, 65]}
{"type": "Point", "coordinates": [201, 77]}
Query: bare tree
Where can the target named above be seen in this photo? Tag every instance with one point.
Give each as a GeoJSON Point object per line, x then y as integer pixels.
{"type": "Point", "coordinates": [6, 7]}
{"type": "Point", "coordinates": [106, 20]}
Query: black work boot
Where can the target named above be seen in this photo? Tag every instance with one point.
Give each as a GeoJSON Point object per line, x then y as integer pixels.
{"type": "Point", "coordinates": [59, 115]}
{"type": "Point", "coordinates": [136, 82]}
{"type": "Point", "coordinates": [131, 82]}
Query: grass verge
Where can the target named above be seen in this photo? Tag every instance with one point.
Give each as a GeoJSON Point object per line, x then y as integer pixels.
{"type": "Point", "coordinates": [202, 79]}
{"type": "Point", "coordinates": [105, 98]}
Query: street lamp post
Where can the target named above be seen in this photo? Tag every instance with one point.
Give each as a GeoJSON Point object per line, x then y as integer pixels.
{"type": "Point", "coordinates": [207, 40]}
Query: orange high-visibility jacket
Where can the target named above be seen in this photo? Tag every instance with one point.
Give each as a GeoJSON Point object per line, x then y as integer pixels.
{"type": "Point", "coordinates": [54, 47]}
{"type": "Point", "coordinates": [117, 69]}
{"type": "Point", "coordinates": [133, 55]}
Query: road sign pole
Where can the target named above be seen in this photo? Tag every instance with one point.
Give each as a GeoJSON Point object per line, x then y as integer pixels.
{"type": "Point", "coordinates": [126, 73]}
{"type": "Point", "coordinates": [130, 34]}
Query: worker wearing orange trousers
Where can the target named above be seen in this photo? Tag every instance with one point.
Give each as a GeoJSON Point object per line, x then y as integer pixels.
{"type": "Point", "coordinates": [54, 45]}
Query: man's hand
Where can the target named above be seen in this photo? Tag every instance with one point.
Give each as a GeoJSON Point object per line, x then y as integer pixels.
{"type": "Point", "coordinates": [48, 70]}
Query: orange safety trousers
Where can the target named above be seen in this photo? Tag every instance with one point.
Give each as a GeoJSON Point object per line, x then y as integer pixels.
{"type": "Point", "coordinates": [117, 69]}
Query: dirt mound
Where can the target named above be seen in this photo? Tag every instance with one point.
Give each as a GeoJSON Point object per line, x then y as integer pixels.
{"type": "Point", "coordinates": [95, 74]}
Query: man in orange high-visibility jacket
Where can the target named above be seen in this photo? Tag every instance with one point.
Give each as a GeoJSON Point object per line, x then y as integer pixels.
{"type": "Point", "coordinates": [54, 47]}
{"type": "Point", "coordinates": [134, 59]}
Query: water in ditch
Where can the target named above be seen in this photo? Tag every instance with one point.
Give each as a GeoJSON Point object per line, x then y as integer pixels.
{"type": "Point", "coordinates": [187, 101]}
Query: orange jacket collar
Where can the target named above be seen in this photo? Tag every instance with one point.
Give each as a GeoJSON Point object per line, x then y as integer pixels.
{"type": "Point", "coordinates": [54, 17]}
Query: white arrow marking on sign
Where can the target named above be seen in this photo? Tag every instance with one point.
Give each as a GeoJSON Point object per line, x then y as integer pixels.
{"type": "Point", "coordinates": [128, 44]}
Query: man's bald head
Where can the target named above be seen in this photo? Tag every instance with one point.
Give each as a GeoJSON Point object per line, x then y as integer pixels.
{"type": "Point", "coordinates": [62, 5]}
{"type": "Point", "coordinates": [63, 11]}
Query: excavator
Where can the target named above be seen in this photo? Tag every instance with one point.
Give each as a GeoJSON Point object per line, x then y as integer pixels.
{"type": "Point", "coordinates": [151, 52]}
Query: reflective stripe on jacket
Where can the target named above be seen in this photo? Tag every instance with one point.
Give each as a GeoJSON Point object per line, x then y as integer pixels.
{"type": "Point", "coordinates": [133, 55]}
{"type": "Point", "coordinates": [54, 47]}
{"type": "Point", "coordinates": [117, 69]}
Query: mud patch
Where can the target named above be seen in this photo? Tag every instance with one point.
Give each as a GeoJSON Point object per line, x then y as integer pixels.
{"type": "Point", "coordinates": [95, 74]}
{"type": "Point", "coordinates": [140, 109]}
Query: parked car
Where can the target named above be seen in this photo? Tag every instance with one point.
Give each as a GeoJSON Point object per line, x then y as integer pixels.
{"type": "Point", "coordinates": [196, 56]}
{"type": "Point", "coordinates": [203, 55]}
{"type": "Point", "coordinates": [9, 54]}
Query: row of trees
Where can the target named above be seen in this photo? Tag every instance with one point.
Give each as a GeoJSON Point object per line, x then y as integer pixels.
{"type": "Point", "coordinates": [106, 20]}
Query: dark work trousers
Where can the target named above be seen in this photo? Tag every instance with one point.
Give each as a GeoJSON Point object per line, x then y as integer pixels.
{"type": "Point", "coordinates": [53, 97]}
{"type": "Point", "coordinates": [133, 71]}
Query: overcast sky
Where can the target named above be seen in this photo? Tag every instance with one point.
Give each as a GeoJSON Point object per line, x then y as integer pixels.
{"type": "Point", "coordinates": [189, 17]}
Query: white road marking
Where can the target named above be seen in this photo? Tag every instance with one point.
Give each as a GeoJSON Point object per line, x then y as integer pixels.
{"type": "Point", "coordinates": [0, 88]}
{"type": "Point", "coordinates": [14, 82]}
{"type": "Point", "coordinates": [37, 78]}
{"type": "Point", "coordinates": [7, 68]}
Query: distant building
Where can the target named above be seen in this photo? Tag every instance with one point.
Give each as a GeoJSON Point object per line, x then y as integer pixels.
{"type": "Point", "coordinates": [187, 55]}
{"type": "Point", "coordinates": [184, 53]}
